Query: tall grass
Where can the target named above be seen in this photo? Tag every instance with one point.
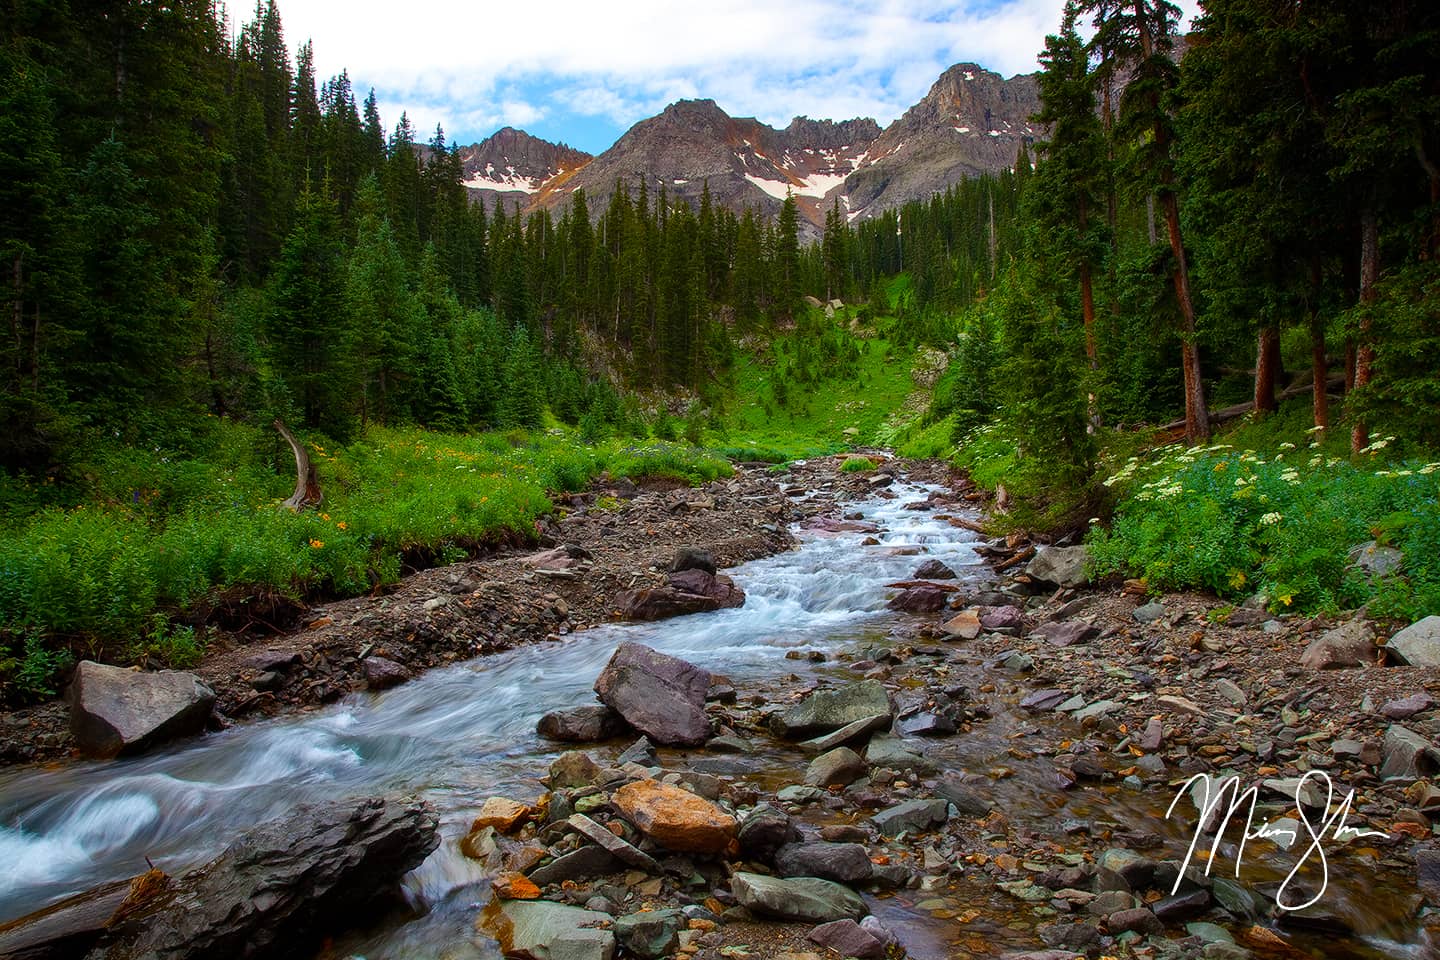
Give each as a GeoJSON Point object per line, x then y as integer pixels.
{"type": "Point", "coordinates": [85, 567]}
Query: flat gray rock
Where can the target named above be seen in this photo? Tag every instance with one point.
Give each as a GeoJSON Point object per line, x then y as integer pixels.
{"type": "Point", "coordinates": [808, 899]}
{"type": "Point", "coordinates": [826, 710]}
{"type": "Point", "coordinates": [912, 816]}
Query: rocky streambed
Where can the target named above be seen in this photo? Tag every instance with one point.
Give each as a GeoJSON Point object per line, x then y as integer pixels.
{"type": "Point", "coordinates": [886, 748]}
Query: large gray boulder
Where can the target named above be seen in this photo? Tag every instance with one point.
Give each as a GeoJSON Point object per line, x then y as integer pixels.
{"type": "Point", "coordinates": [1418, 644]}
{"type": "Point", "coordinates": [1351, 644]}
{"type": "Point", "coordinates": [801, 898]}
{"type": "Point", "coordinates": [277, 891]}
{"type": "Point", "coordinates": [115, 711]}
{"type": "Point", "coordinates": [1061, 566]}
{"type": "Point", "coordinates": [661, 696]}
{"type": "Point", "coordinates": [827, 710]}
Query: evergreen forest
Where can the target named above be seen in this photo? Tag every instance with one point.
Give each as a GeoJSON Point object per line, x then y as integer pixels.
{"type": "Point", "coordinates": [200, 237]}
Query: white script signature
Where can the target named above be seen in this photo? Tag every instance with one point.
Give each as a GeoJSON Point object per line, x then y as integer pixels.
{"type": "Point", "coordinates": [1333, 823]}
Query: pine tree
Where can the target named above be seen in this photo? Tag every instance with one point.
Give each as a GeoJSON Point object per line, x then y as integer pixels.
{"type": "Point", "coordinates": [522, 402]}
{"type": "Point", "coordinates": [1070, 181]}
{"type": "Point", "coordinates": [308, 327]}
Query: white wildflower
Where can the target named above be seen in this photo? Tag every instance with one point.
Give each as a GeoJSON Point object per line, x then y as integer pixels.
{"type": "Point", "coordinates": [1270, 519]}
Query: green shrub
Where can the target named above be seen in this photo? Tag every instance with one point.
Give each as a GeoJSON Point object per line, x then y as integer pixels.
{"type": "Point", "coordinates": [857, 465]}
{"type": "Point", "coordinates": [1236, 522]}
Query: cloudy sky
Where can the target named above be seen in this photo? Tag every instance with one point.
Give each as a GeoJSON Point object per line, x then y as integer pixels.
{"type": "Point", "coordinates": [583, 72]}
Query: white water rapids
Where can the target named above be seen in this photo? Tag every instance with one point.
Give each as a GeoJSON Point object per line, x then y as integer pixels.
{"type": "Point", "coordinates": [455, 735]}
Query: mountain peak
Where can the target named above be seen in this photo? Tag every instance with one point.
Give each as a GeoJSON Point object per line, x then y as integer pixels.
{"type": "Point", "coordinates": [512, 163]}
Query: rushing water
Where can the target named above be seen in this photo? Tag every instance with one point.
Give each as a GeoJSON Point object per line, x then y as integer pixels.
{"type": "Point", "coordinates": [460, 734]}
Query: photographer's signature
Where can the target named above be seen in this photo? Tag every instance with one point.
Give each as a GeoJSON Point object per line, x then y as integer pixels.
{"type": "Point", "coordinates": [1333, 824]}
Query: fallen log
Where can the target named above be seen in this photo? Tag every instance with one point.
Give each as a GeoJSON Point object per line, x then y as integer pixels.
{"type": "Point", "coordinates": [1240, 409]}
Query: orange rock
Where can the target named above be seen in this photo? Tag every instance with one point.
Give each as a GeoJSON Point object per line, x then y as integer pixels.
{"type": "Point", "coordinates": [502, 814]}
{"type": "Point", "coordinates": [515, 886]}
{"type": "Point", "coordinates": [675, 818]}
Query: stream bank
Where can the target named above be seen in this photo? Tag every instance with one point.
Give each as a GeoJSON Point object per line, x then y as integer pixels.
{"type": "Point", "coordinates": [1050, 835]}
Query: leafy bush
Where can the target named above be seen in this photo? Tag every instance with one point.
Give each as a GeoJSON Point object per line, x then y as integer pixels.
{"type": "Point", "coordinates": [661, 459]}
{"type": "Point", "coordinates": [1236, 522]}
{"type": "Point", "coordinates": [857, 465]}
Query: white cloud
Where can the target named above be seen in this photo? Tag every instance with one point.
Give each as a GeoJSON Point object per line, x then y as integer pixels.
{"type": "Point", "coordinates": [622, 60]}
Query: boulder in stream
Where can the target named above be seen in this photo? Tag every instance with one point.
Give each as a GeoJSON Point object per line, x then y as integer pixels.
{"type": "Point", "coordinates": [590, 723]}
{"type": "Point", "coordinates": [116, 712]}
{"type": "Point", "coordinates": [920, 599]}
{"type": "Point", "coordinates": [691, 590]}
{"type": "Point", "coordinates": [661, 696]}
{"type": "Point", "coordinates": [277, 891]}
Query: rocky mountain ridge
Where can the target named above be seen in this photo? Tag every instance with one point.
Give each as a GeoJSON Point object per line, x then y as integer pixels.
{"type": "Point", "coordinates": [971, 122]}
{"type": "Point", "coordinates": [512, 165]}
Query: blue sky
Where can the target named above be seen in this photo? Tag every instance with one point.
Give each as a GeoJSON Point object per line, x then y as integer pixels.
{"type": "Point", "coordinates": [585, 72]}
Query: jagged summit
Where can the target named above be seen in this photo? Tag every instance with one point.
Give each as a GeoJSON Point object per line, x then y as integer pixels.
{"type": "Point", "coordinates": [972, 121]}
{"type": "Point", "coordinates": [513, 165]}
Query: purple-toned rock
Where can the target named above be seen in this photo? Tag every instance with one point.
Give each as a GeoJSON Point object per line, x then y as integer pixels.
{"type": "Point", "coordinates": [1043, 700]}
{"type": "Point", "coordinates": [921, 599]}
{"type": "Point", "coordinates": [1067, 633]}
{"type": "Point", "coordinates": [702, 583]}
{"type": "Point", "coordinates": [382, 674]}
{"type": "Point", "coordinates": [835, 525]}
{"type": "Point", "coordinates": [933, 570]}
{"type": "Point", "coordinates": [1001, 618]}
{"type": "Point", "coordinates": [848, 939]}
{"type": "Point", "coordinates": [1407, 707]}
{"type": "Point", "coordinates": [688, 591]}
{"type": "Point", "coordinates": [661, 696]}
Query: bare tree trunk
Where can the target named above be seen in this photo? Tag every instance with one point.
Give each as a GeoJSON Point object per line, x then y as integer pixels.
{"type": "Point", "coordinates": [1365, 350]}
{"type": "Point", "coordinates": [17, 320]}
{"type": "Point", "coordinates": [1197, 418]}
{"type": "Point", "coordinates": [1087, 309]}
{"type": "Point", "coordinates": [307, 485]}
{"type": "Point", "coordinates": [992, 237]}
{"type": "Point", "coordinates": [1267, 362]}
{"type": "Point", "coordinates": [1318, 368]}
